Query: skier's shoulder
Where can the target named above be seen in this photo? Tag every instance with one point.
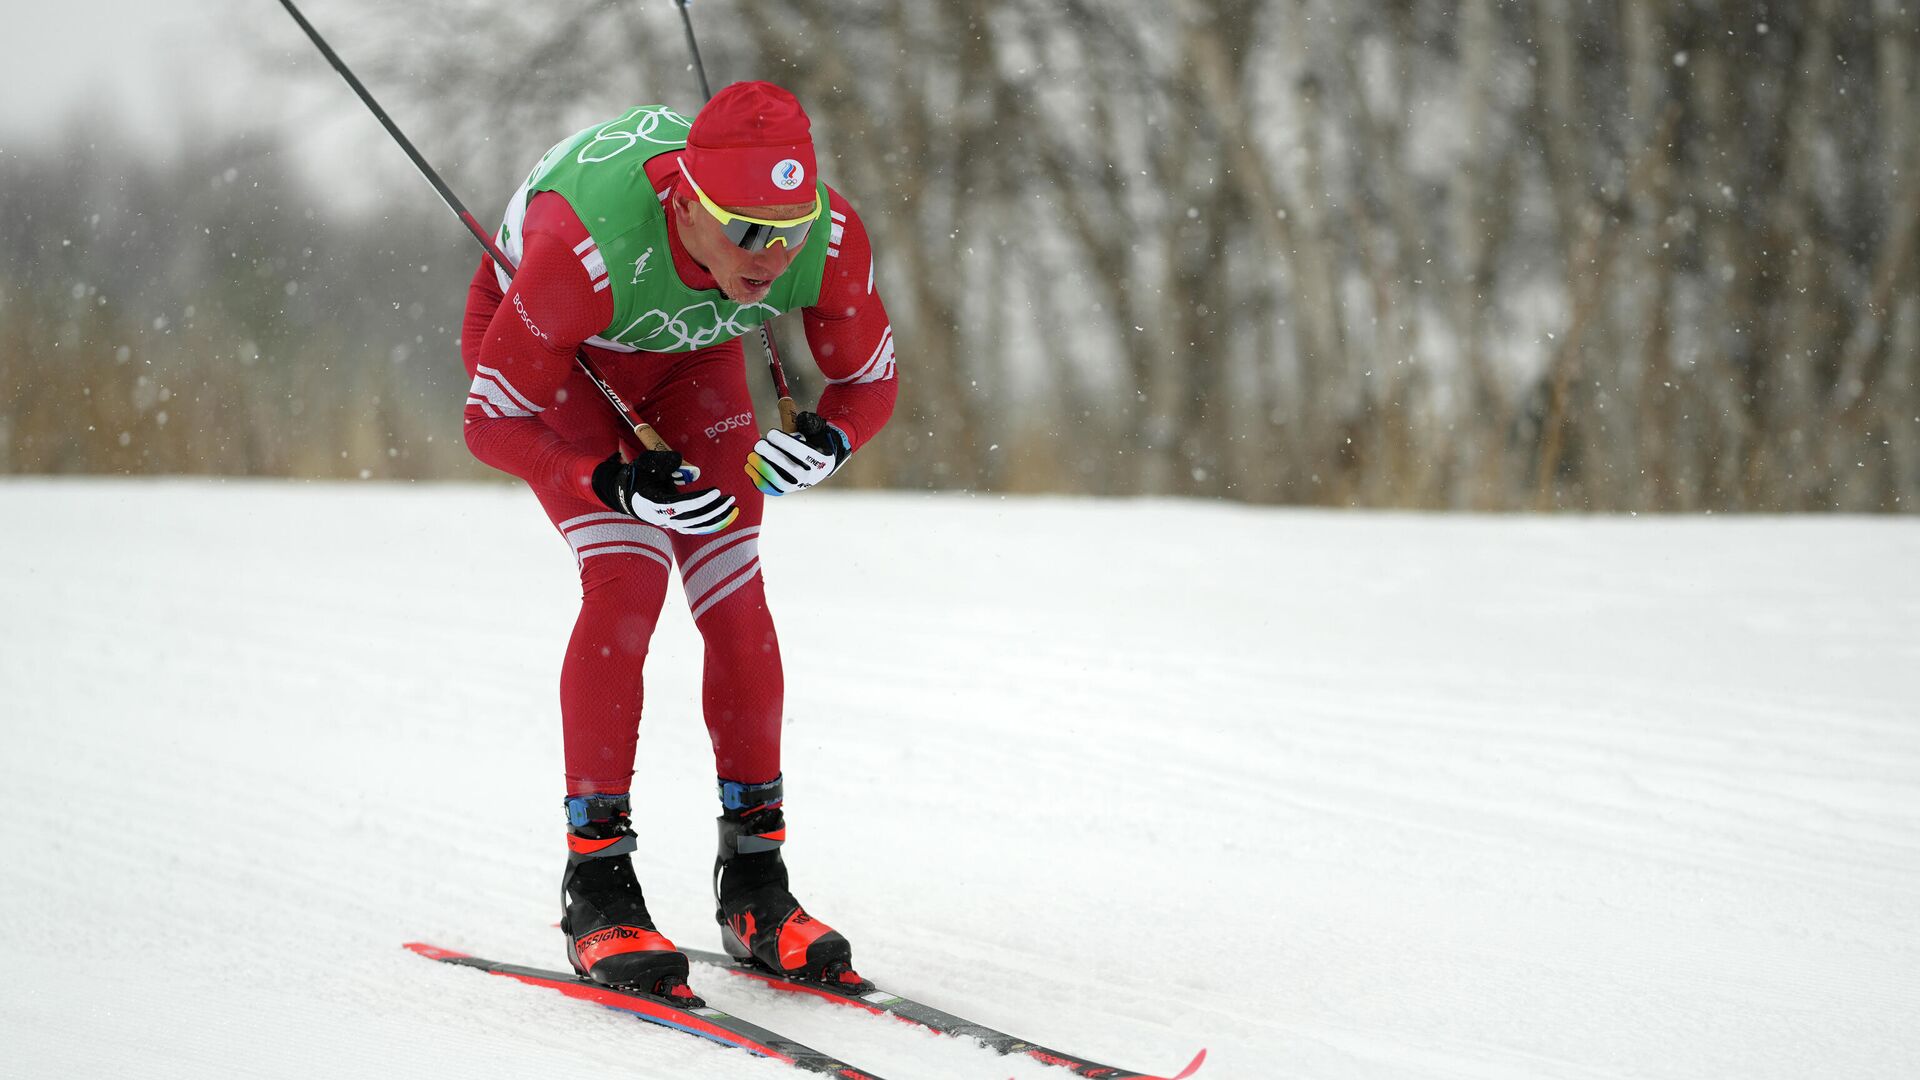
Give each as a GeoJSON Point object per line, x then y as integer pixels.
{"type": "Point", "coordinates": [602, 169]}
{"type": "Point", "coordinates": [549, 214]}
{"type": "Point", "coordinates": [560, 252]}
{"type": "Point", "coordinates": [847, 240]}
{"type": "Point", "coordinates": [847, 279]}
{"type": "Point", "coordinates": [576, 216]}
{"type": "Point", "coordinates": [643, 130]}
{"type": "Point", "coordinates": [840, 211]}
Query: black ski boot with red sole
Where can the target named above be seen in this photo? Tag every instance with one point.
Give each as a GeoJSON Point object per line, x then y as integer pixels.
{"type": "Point", "coordinates": [610, 937]}
{"type": "Point", "coordinates": [760, 921]}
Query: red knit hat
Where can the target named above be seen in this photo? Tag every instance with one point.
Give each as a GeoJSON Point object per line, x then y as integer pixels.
{"type": "Point", "coordinates": [752, 146]}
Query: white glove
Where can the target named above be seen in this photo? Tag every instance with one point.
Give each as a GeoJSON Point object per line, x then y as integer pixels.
{"type": "Point", "coordinates": [648, 488]}
{"type": "Point", "coordinates": [781, 463]}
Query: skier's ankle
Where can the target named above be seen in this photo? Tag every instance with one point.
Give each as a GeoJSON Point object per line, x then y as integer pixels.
{"type": "Point", "coordinates": [752, 828]}
{"type": "Point", "coordinates": [599, 825]}
{"type": "Point", "coordinates": [740, 799]}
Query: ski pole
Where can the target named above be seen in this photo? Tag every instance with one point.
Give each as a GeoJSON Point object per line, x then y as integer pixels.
{"type": "Point", "coordinates": [788, 410]}
{"type": "Point", "coordinates": [642, 431]}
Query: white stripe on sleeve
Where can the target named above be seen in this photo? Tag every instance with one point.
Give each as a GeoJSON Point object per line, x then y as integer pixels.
{"type": "Point", "coordinates": [879, 366]}
{"type": "Point", "coordinates": [498, 376]}
{"type": "Point", "coordinates": [495, 399]}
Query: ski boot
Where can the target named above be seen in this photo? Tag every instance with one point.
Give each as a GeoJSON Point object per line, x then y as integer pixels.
{"type": "Point", "coordinates": [760, 921]}
{"type": "Point", "coordinates": [610, 937]}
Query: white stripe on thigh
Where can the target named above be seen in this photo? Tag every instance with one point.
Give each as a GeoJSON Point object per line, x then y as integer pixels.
{"type": "Point", "coordinates": [704, 574]}
{"type": "Point", "coordinates": [604, 534]}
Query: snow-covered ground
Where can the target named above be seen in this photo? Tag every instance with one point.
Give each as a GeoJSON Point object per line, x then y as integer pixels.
{"type": "Point", "coordinates": [1334, 795]}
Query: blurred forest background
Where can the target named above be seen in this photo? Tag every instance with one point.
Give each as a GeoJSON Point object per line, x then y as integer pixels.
{"type": "Point", "coordinates": [1598, 255]}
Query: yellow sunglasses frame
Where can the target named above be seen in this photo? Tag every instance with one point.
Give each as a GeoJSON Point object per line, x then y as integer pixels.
{"type": "Point", "coordinates": [725, 216]}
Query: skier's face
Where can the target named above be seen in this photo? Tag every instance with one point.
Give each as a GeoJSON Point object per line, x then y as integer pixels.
{"type": "Point", "coordinates": [745, 276]}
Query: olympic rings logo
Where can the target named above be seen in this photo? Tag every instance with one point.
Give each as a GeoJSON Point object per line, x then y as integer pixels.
{"type": "Point", "coordinates": [617, 141]}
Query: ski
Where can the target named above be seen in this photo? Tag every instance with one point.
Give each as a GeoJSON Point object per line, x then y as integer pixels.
{"type": "Point", "coordinates": [705, 1022]}
{"type": "Point", "coordinates": [878, 1001]}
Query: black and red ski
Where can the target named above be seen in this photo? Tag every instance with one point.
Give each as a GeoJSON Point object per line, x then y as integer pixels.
{"type": "Point", "coordinates": [879, 1001]}
{"type": "Point", "coordinates": [705, 1022]}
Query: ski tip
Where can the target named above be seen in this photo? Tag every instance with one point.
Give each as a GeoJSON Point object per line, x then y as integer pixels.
{"type": "Point", "coordinates": [433, 952]}
{"type": "Point", "coordinates": [1193, 1066]}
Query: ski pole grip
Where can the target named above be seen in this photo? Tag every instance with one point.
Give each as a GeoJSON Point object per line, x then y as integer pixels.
{"type": "Point", "coordinates": [789, 415]}
{"type": "Point", "coordinates": [650, 439]}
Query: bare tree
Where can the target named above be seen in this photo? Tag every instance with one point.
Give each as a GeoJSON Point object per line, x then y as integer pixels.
{"type": "Point", "coordinates": [1410, 253]}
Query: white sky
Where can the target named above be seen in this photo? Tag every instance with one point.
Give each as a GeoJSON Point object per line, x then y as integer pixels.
{"type": "Point", "coordinates": [149, 62]}
{"type": "Point", "coordinates": [163, 65]}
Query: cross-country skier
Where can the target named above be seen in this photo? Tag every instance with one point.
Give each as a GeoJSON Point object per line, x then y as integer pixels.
{"type": "Point", "coordinates": [657, 243]}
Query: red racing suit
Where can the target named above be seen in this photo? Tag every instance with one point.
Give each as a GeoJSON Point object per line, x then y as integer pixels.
{"type": "Point", "coordinates": [532, 412]}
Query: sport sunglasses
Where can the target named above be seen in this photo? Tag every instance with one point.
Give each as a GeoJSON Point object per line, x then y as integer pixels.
{"type": "Point", "coordinates": [752, 233]}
